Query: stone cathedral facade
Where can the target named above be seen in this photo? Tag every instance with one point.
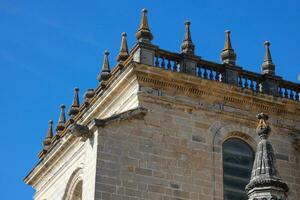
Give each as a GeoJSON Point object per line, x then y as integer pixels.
{"type": "Point", "coordinates": [173, 126]}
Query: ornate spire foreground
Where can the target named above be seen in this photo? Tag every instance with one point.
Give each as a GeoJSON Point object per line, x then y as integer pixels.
{"type": "Point", "coordinates": [144, 34]}
{"type": "Point", "coordinates": [187, 45]}
{"type": "Point", "coordinates": [265, 182]}
{"type": "Point", "coordinates": [105, 73]}
{"type": "Point", "coordinates": [268, 66]}
{"type": "Point", "coordinates": [227, 55]}
{"type": "Point", "coordinates": [123, 54]}
{"type": "Point", "coordinates": [75, 104]}
{"type": "Point", "coordinates": [49, 136]}
{"type": "Point", "coordinates": [62, 119]}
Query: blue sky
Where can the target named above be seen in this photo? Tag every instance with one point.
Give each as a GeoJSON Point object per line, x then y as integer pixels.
{"type": "Point", "coordinates": [48, 47]}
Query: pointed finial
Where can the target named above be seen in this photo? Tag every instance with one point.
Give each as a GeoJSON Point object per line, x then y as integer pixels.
{"type": "Point", "coordinates": [265, 180]}
{"type": "Point", "coordinates": [227, 45]}
{"type": "Point", "coordinates": [49, 136]}
{"type": "Point", "coordinates": [187, 45]}
{"type": "Point", "coordinates": [123, 54]}
{"type": "Point", "coordinates": [144, 34]}
{"type": "Point", "coordinates": [62, 119]}
{"type": "Point", "coordinates": [105, 73]}
{"type": "Point", "coordinates": [227, 55]}
{"type": "Point", "coordinates": [268, 66]}
{"type": "Point", "coordinates": [75, 104]}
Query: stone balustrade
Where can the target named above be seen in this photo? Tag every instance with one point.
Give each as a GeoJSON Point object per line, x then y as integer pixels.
{"type": "Point", "coordinates": [226, 73]}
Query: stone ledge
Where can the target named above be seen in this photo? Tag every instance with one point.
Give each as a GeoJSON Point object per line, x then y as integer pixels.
{"type": "Point", "coordinates": [136, 113]}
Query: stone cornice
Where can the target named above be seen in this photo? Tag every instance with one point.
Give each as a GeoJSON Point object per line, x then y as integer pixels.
{"type": "Point", "coordinates": [215, 91]}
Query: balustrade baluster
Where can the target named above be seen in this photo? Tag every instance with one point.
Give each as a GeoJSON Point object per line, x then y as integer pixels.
{"type": "Point", "coordinates": [246, 83]}
{"type": "Point", "coordinates": [297, 96]}
{"type": "Point", "coordinates": [199, 73]}
{"type": "Point", "coordinates": [221, 77]}
{"type": "Point", "coordinates": [163, 63]}
{"type": "Point", "coordinates": [261, 87]}
{"type": "Point", "coordinates": [291, 96]}
{"type": "Point", "coordinates": [156, 61]}
{"type": "Point", "coordinates": [251, 85]}
{"type": "Point", "coordinates": [217, 76]}
{"type": "Point", "coordinates": [205, 73]}
{"type": "Point", "coordinates": [257, 86]}
{"type": "Point", "coordinates": [211, 75]}
{"type": "Point", "coordinates": [169, 65]}
{"type": "Point", "coordinates": [176, 67]}
{"type": "Point", "coordinates": [179, 67]}
{"type": "Point", "coordinates": [285, 93]}
{"type": "Point", "coordinates": [240, 81]}
{"type": "Point", "coordinates": [280, 92]}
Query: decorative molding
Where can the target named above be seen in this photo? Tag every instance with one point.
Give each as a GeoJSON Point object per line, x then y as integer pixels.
{"type": "Point", "coordinates": [206, 91]}
{"type": "Point", "coordinates": [264, 183]}
{"type": "Point", "coordinates": [80, 131]}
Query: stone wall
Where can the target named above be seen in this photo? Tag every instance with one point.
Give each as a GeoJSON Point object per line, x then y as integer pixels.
{"type": "Point", "coordinates": [175, 151]}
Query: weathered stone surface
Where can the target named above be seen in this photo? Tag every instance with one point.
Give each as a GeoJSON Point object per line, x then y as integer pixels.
{"type": "Point", "coordinates": [172, 151]}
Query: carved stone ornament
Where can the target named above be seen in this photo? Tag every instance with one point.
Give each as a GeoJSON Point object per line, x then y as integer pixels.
{"type": "Point", "coordinates": [80, 131]}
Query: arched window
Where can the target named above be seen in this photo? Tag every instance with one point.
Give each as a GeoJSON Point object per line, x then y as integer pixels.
{"type": "Point", "coordinates": [74, 186]}
{"type": "Point", "coordinates": [77, 192]}
{"type": "Point", "coordinates": [238, 159]}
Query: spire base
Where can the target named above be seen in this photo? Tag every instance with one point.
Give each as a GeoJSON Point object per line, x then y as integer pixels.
{"type": "Point", "coordinates": [73, 111]}
{"type": "Point", "coordinates": [188, 47]}
{"type": "Point", "coordinates": [104, 76]}
{"type": "Point", "coordinates": [268, 68]}
{"type": "Point", "coordinates": [60, 127]}
{"type": "Point", "coordinates": [228, 56]}
{"type": "Point", "coordinates": [144, 36]}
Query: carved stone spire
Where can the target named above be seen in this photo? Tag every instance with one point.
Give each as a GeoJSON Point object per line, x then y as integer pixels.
{"type": "Point", "coordinates": [265, 182]}
{"type": "Point", "coordinates": [268, 66]}
{"type": "Point", "coordinates": [187, 45]}
{"type": "Point", "coordinates": [75, 104]}
{"type": "Point", "coordinates": [227, 55]}
{"type": "Point", "coordinates": [62, 119]}
{"type": "Point", "coordinates": [123, 54]}
{"type": "Point", "coordinates": [144, 34]}
{"type": "Point", "coordinates": [105, 73]}
{"type": "Point", "coordinates": [49, 136]}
